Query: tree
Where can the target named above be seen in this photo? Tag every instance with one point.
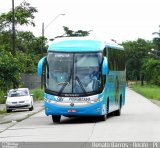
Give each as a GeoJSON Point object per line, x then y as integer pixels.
{"type": "Point", "coordinates": [29, 44]}
{"type": "Point", "coordinates": [71, 33]}
{"type": "Point", "coordinates": [136, 53]}
{"type": "Point", "coordinates": [152, 70]}
{"type": "Point", "coordinates": [10, 68]}
{"type": "Point", "coordinates": [24, 61]}
{"type": "Point", "coordinates": [24, 15]}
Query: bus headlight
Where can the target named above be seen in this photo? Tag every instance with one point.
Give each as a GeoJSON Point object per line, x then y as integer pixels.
{"type": "Point", "coordinates": [95, 100]}
{"type": "Point", "coordinates": [49, 101]}
{"type": "Point", "coordinates": [100, 99]}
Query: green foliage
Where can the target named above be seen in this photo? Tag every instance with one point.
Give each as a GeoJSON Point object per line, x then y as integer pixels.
{"type": "Point", "coordinates": [3, 111]}
{"type": "Point", "coordinates": [152, 71]}
{"type": "Point", "coordinates": [10, 70]}
{"type": "Point", "coordinates": [23, 16]}
{"type": "Point", "coordinates": [156, 40]}
{"type": "Point", "coordinates": [69, 32]}
{"type": "Point", "coordinates": [140, 64]}
{"type": "Point", "coordinates": [148, 91]}
{"type": "Point", "coordinates": [28, 49]}
{"type": "Point", "coordinates": [136, 53]}
{"type": "Point", "coordinates": [38, 94]}
{"type": "Point", "coordinates": [2, 98]}
{"type": "Point", "coordinates": [28, 43]}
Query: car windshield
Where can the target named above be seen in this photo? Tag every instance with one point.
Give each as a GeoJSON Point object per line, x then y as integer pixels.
{"type": "Point", "coordinates": [76, 73]}
{"type": "Point", "coordinates": [18, 93]}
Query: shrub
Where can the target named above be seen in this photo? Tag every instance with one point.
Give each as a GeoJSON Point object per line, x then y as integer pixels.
{"type": "Point", "coordinates": [2, 99]}
{"type": "Point", "coordinates": [37, 94]}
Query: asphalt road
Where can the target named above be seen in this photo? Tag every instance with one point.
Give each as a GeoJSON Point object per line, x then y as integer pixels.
{"type": "Point", "coordinates": [140, 121]}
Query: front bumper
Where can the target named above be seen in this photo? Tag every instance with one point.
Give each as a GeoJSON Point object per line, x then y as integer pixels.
{"type": "Point", "coordinates": [94, 109]}
{"type": "Point", "coordinates": [18, 106]}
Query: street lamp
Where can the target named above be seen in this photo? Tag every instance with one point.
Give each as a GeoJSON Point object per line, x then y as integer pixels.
{"type": "Point", "coordinates": [45, 27]}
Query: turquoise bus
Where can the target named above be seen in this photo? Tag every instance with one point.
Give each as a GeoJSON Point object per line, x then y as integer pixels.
{"type": "Point", "coordinates": [83, 77]}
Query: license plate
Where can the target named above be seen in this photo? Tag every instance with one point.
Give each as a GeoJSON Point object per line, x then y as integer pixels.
{"type": "Point", "coordinates": [18, 105]}
{"type": "Point", "coordinates": [72, 111]}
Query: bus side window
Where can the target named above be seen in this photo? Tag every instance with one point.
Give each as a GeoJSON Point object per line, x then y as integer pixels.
{"type": "Point", "coordinates": [110, 59]}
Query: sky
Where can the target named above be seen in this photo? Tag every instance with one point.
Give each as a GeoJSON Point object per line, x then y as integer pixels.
{"type": "Point", "coordinates": [122, 20]}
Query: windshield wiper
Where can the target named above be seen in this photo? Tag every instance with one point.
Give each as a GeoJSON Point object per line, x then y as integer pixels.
{"type": "Point", "coordinates": [80, 83]}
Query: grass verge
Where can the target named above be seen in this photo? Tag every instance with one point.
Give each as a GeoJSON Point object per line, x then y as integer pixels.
{"type": "Point", "coordinates": [38, 94]}
{"type": "Point", "coordinates": [148, 91]}
{"type": "Point", "coordinates": [3, 111]}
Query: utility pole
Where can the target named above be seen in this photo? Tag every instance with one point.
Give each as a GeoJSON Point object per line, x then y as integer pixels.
{"type": "Point", "coordinates": [42, 38]}
{"type": "Point", "coordinates": [45, 27]}
{"type": "Point", "coordinates": [42, 77]}
{"type": "Point", "coordinates": [13, 36]}
{"type": "Point", "coordinates": [13, 30]}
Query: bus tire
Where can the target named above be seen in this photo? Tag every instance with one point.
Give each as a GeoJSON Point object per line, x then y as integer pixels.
{"type": "Point", "coordinates": [56, 118]}
{"type": "Point", "coordinates": [102, 118]}
{"type": "Point", "coordinates": [118, 112]}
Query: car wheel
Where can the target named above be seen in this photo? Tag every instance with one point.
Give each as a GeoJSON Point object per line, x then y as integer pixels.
{"type": "Point", "coordinates": [8, 110]}
{"type": "Point", "coordinates": [31, 108]}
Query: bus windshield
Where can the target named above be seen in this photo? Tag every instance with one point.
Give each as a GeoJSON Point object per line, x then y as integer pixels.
{"type": "Point", "coordinates": [73, 73]}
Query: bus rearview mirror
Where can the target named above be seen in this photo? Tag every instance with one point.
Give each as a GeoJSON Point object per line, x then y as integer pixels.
{"type": "Point", "coordinates": [104, 66]}
{"type": "Point", "coordinates": [40, 66]}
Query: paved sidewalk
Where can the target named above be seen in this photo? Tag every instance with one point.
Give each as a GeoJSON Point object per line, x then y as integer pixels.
{"type": "Point", "coordinates": [9, 119]}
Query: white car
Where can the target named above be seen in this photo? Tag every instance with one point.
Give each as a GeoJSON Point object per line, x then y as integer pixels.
{"type": "Point", "coordinates": [19, 99]}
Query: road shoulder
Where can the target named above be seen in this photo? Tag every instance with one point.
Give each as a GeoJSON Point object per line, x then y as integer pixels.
{"type": "Point", "coordinates": [155, 102]}
{"type": "Point", "coordinates": [8, 120]}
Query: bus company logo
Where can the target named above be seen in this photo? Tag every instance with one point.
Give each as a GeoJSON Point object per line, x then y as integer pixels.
{"type": "Point", "coordinates": [60, 99]}
{"type": "Point", "coordinates": [72, 104]}
{"type": "Point", "coordinates": [79, 99]}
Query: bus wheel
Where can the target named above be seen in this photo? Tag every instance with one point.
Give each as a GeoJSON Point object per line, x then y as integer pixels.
{"type": "Point", "coordinates": [118, 112]}
{"type": "Point", "coordinates": [56, 118]}
{"type": "Point", "coordinates": [102, 118]}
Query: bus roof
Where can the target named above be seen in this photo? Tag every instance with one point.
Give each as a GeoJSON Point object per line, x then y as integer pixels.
{"type": "Point", "coordinates": [80, 44]}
